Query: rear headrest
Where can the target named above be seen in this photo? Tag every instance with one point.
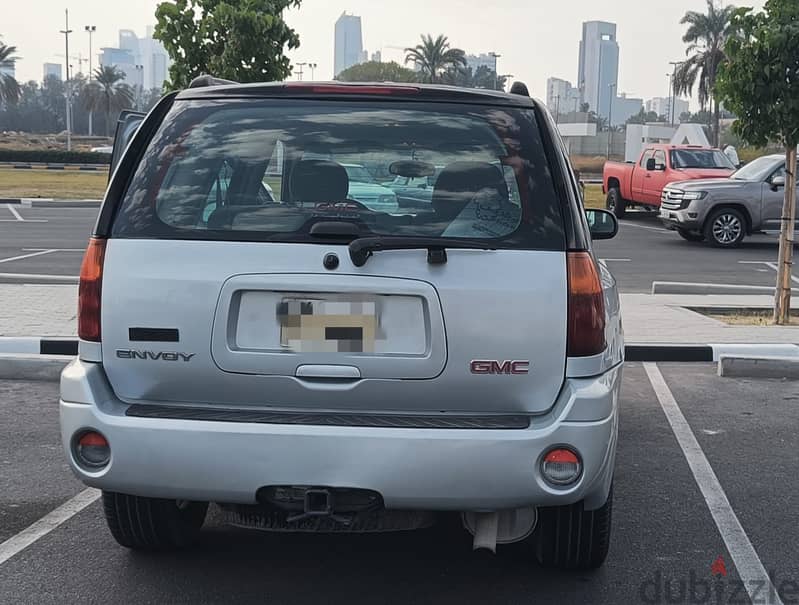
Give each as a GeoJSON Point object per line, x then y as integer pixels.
{"type": "Point", "coordinates": [319, 181]}
{"type": "Point", "coordinates": [460, 182]}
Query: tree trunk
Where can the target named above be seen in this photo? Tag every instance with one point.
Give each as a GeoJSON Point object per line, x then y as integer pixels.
{"type": "Point", "coordinates": [782, 303]}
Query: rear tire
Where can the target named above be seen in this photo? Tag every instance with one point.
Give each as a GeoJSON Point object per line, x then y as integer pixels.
{"type": "Point", "coordinates": [691, 236]}
{"type": "Point", "coordinates": [615, 203]}
{"type": "Point", "coordinates": [572, 538]}
{"type": "Point", "coordinates": [725, 228]}
{"type": "Point", "coordinates": [153, 524]}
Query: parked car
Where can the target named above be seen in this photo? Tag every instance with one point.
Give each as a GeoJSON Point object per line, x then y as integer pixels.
{"type": "Point", "coordinates": [311, 364]}
{"type": "Point", "coordinates": [642, 183]}
{"type": "Point", "coordinates": [415, 193]}
{"type": "Point", "coordinates": [723, 212]}
{"type": "Point", "coordinates": [364, 189]}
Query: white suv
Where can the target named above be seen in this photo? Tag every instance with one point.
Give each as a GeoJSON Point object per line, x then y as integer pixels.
{"type": "Point", "coordinates": [308, 363]}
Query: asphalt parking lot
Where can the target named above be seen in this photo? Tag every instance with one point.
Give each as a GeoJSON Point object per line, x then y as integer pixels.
{"type": "Point", "coordinates": [666, 544]}
{"type": "Point", "coordinates": [50, 241]}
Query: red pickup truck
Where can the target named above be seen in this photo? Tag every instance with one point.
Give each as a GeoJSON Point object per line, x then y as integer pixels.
{"type": "Point", "coordinates": [641, 183]}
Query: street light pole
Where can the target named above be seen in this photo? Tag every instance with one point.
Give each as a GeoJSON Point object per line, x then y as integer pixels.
{"type": "Point", "coordinates": [612, 88]}
{"type": "Point", "coordinates": [673, 98]}
{"type": "Point", "coordinates": [90, 29]}
{"type": "Point", "coordinates": [67, 92]}
{"type": "Point", "coordinates": [299, 72]}
{"type": "Point", "coordinates": [313, 67]}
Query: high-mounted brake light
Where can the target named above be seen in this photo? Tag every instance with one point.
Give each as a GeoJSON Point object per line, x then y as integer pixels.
{"type": "Point", "coordinates": [586, 332]}
{"type": "Point", "coordinates": [338, 89]}
{"type": "Point", "coordinates": [91, 281]}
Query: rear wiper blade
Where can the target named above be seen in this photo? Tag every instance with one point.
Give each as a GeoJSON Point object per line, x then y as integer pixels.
{"type": "Point", "coordinates": [361, 249]}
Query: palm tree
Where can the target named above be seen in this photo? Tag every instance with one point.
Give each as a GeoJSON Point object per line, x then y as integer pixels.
{"type": "Point", "coordinates": [107, 93]}
{"type": "Point", "coordinates": [9, 87]}
{"type": "Point", "coordinates": [434, 57]}
{"type": "Point", "coordinates": [706, 37]}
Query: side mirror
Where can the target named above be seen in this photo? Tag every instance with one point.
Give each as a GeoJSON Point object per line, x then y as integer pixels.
{"type": "Point", "coordinates": [602, 224]}
{"type": "Point", "coordinates": [650, 165]}
{"type": "Point", "coordinates": [777, 182]}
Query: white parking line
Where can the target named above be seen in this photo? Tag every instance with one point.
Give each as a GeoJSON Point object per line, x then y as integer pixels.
{"type": "Point", "coordinates": [18, 217]}
{"type": "Point", "coordinates": [658, 229]}
{"type": "Point", "coordinates": [8, 260]}
{"type": "Point", "coordinates": [46, 524]}
{"type": "Point", "coordinates": [743, 554]}
{"type": "Point", "coordinates": [13, 211]}
{"type": "Point", "coordinates": [54, 249]}
{"type": "Point", "coordinates": [768, 264]}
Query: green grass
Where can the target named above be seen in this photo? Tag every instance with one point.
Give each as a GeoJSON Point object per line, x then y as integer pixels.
{"type": "Point", "coordinates": [60, 184]}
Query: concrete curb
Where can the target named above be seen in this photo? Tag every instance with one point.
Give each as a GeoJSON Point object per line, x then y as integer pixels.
{"type": "Point", "coordinates": [12, 345]}
{"type": "Point", "coordinates": [706, 353]}
{"type": "Point", "coordinates": [50, 203]}
{"type": "Point", "coordinates": [667, 287]}
{"type": "Point", "coordinates": [32, 367]}
{"type": "Point", "coordinates": [732, 366]}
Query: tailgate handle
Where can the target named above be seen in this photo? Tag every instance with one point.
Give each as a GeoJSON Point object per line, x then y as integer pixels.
{"type": "Point", "coordinates": [323, 372]}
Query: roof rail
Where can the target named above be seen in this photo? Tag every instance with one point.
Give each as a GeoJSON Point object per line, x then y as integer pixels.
{"type": "Point", "coordinates": [520, 88]}
{"type": "Point", "coordinates": [205, 80]}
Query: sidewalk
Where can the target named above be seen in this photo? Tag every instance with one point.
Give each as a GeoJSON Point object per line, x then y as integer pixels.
{"type": "Point", "coordinates": [663, 319]}
{"type": "Point", "coordinates": [51, 310]}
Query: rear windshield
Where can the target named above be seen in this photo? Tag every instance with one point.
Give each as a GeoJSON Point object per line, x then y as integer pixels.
{"type": "Point", "coordinates": [269, 170]}
{"type": "Point", "coordinates": [700, 158]}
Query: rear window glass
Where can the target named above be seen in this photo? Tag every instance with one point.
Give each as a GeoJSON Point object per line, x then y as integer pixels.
{"type": "Point", "coordinates": [269, 170]}
{"type": "Point", "coordinates": [700, 158]}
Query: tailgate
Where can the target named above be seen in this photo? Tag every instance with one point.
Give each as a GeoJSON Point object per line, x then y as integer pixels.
{"type": "Point", "coordinates": [297, 338]}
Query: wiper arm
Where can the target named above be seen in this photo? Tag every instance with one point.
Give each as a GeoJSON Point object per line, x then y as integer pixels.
{"type": "Point", "coordinates": [361, 249]}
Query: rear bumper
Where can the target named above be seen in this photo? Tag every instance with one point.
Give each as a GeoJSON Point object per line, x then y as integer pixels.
{"type": "Point", "coordinates": [430, 469]}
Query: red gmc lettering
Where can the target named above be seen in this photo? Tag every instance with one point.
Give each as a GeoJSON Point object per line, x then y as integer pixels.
{"type": "Point", "coordinates": [495, 367]}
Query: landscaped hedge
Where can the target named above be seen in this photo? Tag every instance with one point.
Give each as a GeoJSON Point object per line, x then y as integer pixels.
{"type": "Point", "coordinates": [53, 156]}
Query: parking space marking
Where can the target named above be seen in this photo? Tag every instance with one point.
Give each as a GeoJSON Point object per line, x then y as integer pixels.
{"type": "Point", "coordinates": [14, 212]}
{"type": "Point", "coordinates": [768, 264]}
{"type": "Point", "coordinates": [46, 524]}
{"type": "Point", "coordinates": [743, 554]}
{"type": "Point", "coordinates": [54, 249]}
{"type": "Point", "coordinates": [658, 229]}
{"type": "Point", "coordinates": [18, 217]}
{"type": "Point", "coordinates": [31, 255]}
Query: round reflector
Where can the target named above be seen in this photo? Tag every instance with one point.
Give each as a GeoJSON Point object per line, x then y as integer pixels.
{"type": "Point", "coordinates": [92, 450]}
{"type": "Point", "coordinates": [561, 467]}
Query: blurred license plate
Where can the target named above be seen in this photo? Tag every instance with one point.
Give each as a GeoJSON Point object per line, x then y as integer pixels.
{"type": "Point", "coordinates": [328, 326]}
{"type": "Point", "coordinates": [664, 214]}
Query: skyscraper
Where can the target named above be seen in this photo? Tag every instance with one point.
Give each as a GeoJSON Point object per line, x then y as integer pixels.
{"type": "Point", "coordinates": [147, 52]}
{"type": "Point", "coordinates": [598, 75]}
{"type": "Point", "coordinates": [349, 43]}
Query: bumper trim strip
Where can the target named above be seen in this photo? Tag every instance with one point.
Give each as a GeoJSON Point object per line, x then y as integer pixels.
{"type": "Point", "coordinates": [505, 422]}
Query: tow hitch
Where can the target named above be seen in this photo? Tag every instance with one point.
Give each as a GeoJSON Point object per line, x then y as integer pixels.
{"type": "Point", "coordinates": [319, 502]}
{"type": "Point", "coordinates": [322, 509]}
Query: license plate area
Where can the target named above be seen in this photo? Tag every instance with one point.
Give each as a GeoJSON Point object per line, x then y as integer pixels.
{"type": "Point", "coordinates": [329, 324]}
{"type": "Point", "coordinates": [384, 327]}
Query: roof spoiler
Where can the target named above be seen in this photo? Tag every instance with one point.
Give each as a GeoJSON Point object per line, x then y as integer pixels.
{"type": "Point", "coordinates": [520, 88]}
{"type": "Point", "coordinates": [205, 80]}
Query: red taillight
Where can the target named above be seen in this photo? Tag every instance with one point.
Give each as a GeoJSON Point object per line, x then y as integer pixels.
{"type": "Point", "coordinates": [352, 89]}
{"type": "Point", "coordinates": [586, 307]}
{"type": "Point", "coordinates": [92, 439]}
{"type": "Point", "coordinates": [91, 281]}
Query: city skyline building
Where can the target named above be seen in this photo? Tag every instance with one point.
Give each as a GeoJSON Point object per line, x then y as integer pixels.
{"type": "Point", "coordinates": [598, 69]}
{"type": "Point", "coordinates": [144, 61]}
{"type": "Point", "coordinates": [52, 69]}
{"type": "Point", "coordinates": [348, 49]}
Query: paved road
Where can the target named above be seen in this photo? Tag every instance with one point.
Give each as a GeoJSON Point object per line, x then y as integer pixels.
{"type": "Point", "coordinates": [51, 241]}
{"type": "Point", "coordinates": [664, 534]}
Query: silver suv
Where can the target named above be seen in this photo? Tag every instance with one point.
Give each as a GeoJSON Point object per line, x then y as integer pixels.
{"type": "Point", "coordinates": [723, 212]}
{"type": "Point", "coordinates": [308, 363]}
